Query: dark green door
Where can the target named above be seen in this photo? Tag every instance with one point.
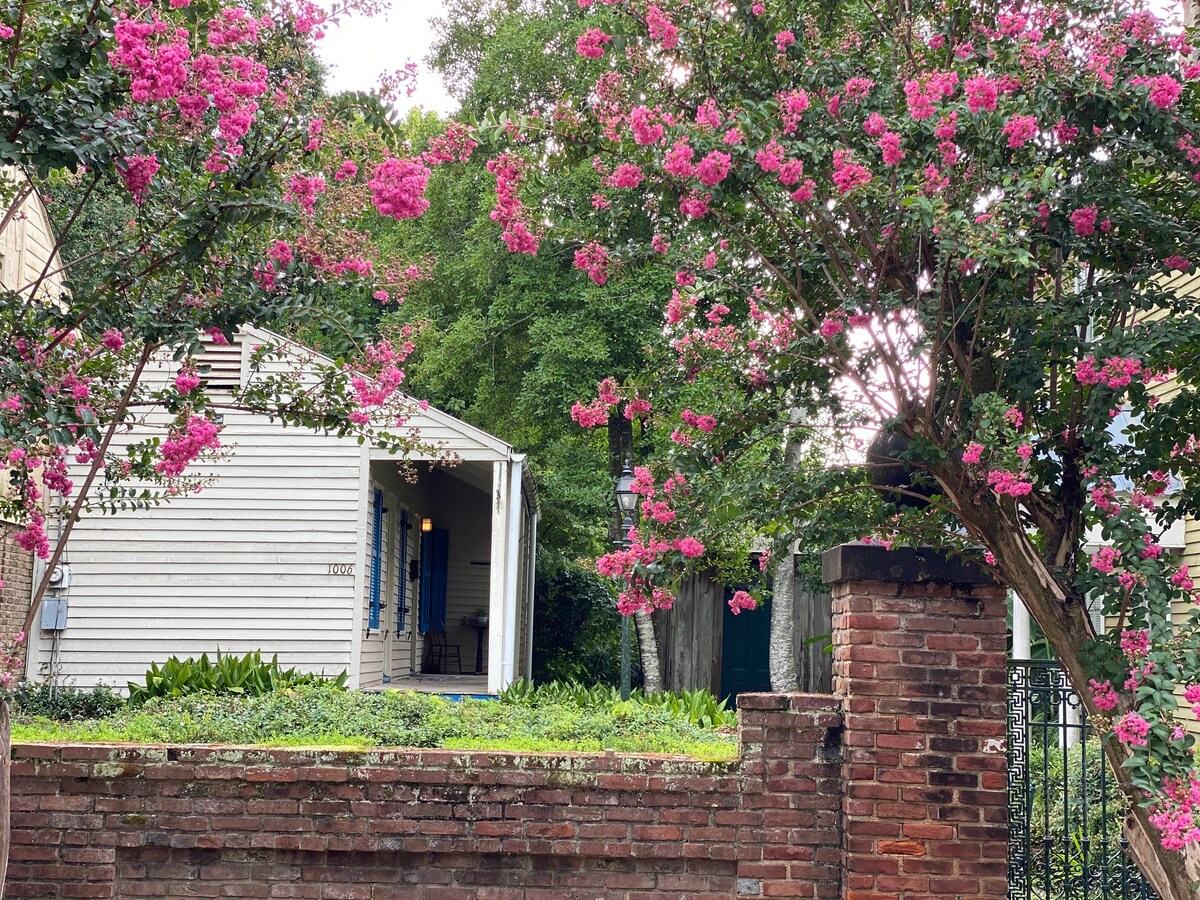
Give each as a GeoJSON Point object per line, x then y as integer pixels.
{"type": "Point", "coordinates": [745, 641]}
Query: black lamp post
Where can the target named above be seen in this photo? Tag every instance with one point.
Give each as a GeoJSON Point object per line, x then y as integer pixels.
{"type": "Point", "coordinates": [627, 503]}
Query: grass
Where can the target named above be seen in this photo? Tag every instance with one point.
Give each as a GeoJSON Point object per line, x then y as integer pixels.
{"type": "Point", "coordinates": [327, 717]}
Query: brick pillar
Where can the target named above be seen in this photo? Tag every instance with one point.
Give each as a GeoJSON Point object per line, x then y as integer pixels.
{"type": "Point", "coordinates": [919, 647]}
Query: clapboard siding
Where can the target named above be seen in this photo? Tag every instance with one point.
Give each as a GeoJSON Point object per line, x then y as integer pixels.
{"type": "Point", "coordinates": [1164, 391]}
{"type": "Point", "coordinates": [242, 565]}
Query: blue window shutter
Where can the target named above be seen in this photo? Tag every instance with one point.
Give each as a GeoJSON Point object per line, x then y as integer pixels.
{"type": "Point", "coordinates": [376, 558]}
{"type": "Point", "coordinates": [402, 578]}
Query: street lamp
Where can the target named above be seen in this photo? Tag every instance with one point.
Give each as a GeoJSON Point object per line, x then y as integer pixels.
{"type": "Point", "coordinates": [627, 502]}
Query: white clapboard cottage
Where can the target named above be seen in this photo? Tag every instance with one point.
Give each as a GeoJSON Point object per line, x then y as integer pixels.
{"type": "Point", "coordinates": [314, 548]}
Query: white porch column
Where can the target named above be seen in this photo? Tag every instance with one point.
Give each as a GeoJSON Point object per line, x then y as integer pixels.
{"type": "Point", "coordinates": [531, 570]}
{"type": "Point", "coordinates": [497, 614]}
{"type": "Point", "coordinates": [512, 568]}
{"type": "Point", "coordinates": [1021, 643]}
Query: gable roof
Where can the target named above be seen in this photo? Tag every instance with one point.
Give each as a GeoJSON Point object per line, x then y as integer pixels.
{"type": "Point", "coordinates": [435, 426]}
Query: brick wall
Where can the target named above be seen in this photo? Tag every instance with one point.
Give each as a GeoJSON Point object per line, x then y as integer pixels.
{"type": "Point", "coordinates": [105, 821]}
{"type": "Point", "coordinates": [892, 790]}
{"type": "Point", "coordinates": [16, 571]}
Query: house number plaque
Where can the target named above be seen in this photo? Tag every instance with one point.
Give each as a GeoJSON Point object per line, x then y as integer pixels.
{"type": "Point", "coordinates": [340, 569]}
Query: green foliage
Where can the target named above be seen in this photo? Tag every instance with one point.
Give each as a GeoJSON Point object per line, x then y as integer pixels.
{"type": "Point", "coordinates": [249, 675]}
{"type": "Point", "coordinates": [322, 714]}
{"type": "Point", "coordinates": [699, 707]}
{"type": "Point", "coordinates": [577, 629]}
{"type": "Point", "coordinates": [63, 703]}
{"type": "Point", "coordinates": [1074, 803]}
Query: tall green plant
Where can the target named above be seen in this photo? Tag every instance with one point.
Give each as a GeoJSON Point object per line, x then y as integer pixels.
{"type": "Point", "coordinates": [247, 675]}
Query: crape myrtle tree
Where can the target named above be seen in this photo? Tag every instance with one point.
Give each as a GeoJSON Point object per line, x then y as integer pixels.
{"type": "Point", "coordinates": [956, 222]}
{"type": "Point", "coordinates": [507, 341]}
{"type": "Point", "coordinates": [203, 124]}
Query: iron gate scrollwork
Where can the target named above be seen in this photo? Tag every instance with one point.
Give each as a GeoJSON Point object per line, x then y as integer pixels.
{"type": "Point", "coordinates": [1064, 809]}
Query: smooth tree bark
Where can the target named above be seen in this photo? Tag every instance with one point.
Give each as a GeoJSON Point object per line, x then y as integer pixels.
{"type": "Point", "coordinates": [782, 648]}
{"type": "Point", "coordinates": [648, 649]}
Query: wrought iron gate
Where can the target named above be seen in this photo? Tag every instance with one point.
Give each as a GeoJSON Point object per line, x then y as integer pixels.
{"type": "Point", "coordinates": [1064, 810]}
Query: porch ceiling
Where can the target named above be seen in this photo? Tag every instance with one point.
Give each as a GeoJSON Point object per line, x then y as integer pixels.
{"type": "Point", "coordinates": [477, 474]}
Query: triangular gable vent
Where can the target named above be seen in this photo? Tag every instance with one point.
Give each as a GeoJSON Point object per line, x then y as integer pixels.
{"type": "Point", "coordinates": [220, 365]}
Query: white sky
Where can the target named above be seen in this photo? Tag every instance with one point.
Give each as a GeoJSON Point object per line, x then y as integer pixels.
{"type": "Point", "coordinates": [359, 50]}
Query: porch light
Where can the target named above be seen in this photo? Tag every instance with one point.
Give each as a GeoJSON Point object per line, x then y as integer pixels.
{"type": "Point", "coordinates": [426, 525]}
{"type": "Point", "coordinates": [627, 500]}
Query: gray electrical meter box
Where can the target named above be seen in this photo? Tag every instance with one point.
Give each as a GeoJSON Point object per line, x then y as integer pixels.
{"type": "Point", "coordinates": [54, 613]}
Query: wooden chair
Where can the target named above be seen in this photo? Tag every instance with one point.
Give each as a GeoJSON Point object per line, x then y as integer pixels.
{"type": "Point", "coordinates": [438, 653]}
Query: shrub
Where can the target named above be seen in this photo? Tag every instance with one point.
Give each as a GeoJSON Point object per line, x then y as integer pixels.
{"type": "Point", "coordinates": [248, 675]}
{"type": "Point", "coordinates": [698, 707]}
{"type": "Point", "coordinates": [577, 629]}
{"type": "Point", "coordinates": [63, 703]}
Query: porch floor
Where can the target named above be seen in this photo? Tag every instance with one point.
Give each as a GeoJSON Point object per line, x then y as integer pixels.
{"type": "Point", "coordinates": [440, 684]}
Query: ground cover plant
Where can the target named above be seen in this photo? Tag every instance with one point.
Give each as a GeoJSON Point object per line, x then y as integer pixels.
{"type": "Point", "coordinates": [324, 714]}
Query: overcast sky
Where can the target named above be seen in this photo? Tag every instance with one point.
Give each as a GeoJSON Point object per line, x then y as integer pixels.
{"type": "Point", "coordinates": [359, 50]}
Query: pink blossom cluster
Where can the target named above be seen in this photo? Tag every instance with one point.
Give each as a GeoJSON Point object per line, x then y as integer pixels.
{"type": "Point", "coordinates": [591, 415]}
{"type": "Point", "coordinates": [660, 28]}
{"type": "Point", "coordinates": [982, 93]}
{"type": "Point", "coordinates": [699, 422]}
{"type": "Point", "coordinates": [625, 175]}
{"type": "Point", "coordinates": [847, 174]}
{"type": "Point", "coordinates": [137, 172]}
{"type": "Point", "coordinates": [889, 144]}
{"type": "Point", "coordinates": [509, 211]}
{"type": "Point", "coordinates": [973, 453]}
{"type": "Point", "coordinates": [10, 658]}
{"type": "Point", "coordinates": [187, 380]}
{"type": "Point", "coordinates": [1132, 729]}
{"type": "Point", "coordinates": [1019, 130]}
{"type": "Point", "coordinates": [1135, 643]}
{"type": "Point", "coordinates": [303, 190]}
{"type": "Point", "coordinates": [1105, 560]}
{"type": "Point", "coordinates": [713, 168]}
{"type": "Point", "coordinates": [591, 43]}
{"type": "Point", "coordinates": [185, 443]}
{"type": "Point", "coordinates": [792, 106]}
{"type": "Point", "coordinates": [1104, 695]}
{"type": "Point", "coordinates": [1012, 484]}
{"type": "Point", "coordinates": [1182, 579]}
{"type": "Point", "coordinates": [741, 600]}
{"type": "Point", "coordinates": [1116, 371]}
{"type": "Point", "coordinates": [1103, 496]}
{"type": "Point", "coordinates": [454, 145]}
{"type": "Point", "coordinates": [1083, 220]}
{"type": "Point", "coordinates": [646, 125]}
{"type": "Point", "coordinates": [398, 188]}
{"type": "Point", "coordinates": [1174, 811]}
{"type": "Point", "coordinates": [678, 160]}
{"type": "Point", "coordinates": [376, 376]}
{"type": "Point", "coordinates": [593, 259]}
{"type": "Point", "coordinates": [920, 94]}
